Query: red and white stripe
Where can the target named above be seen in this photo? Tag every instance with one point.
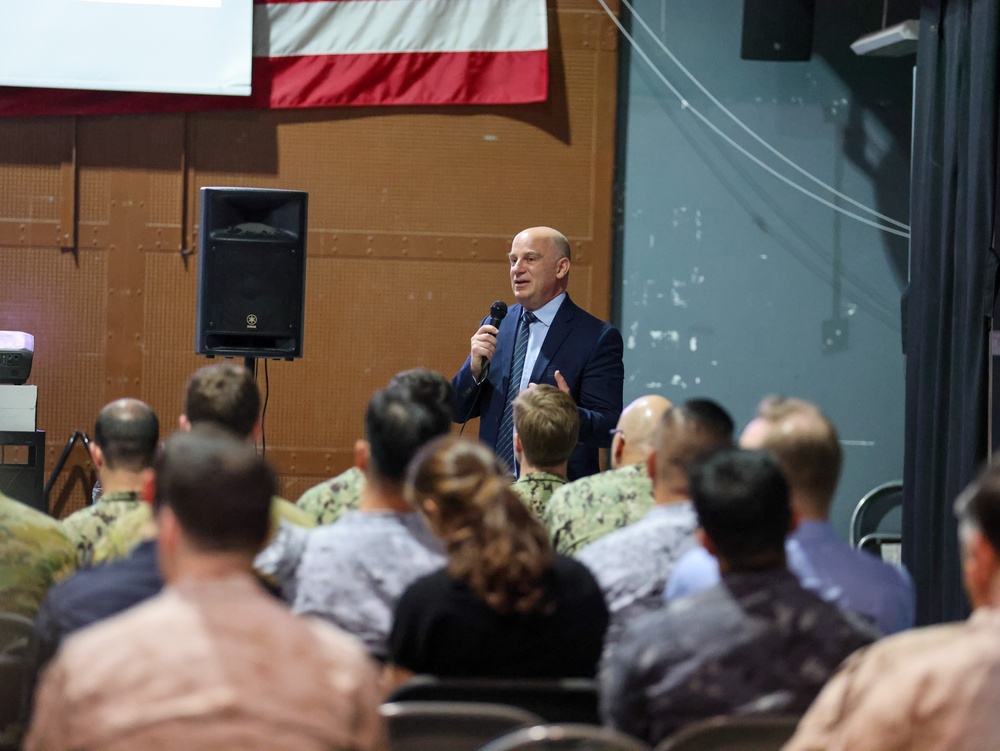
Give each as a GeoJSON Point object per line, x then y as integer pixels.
{"type": "Point", "coordinates": [326, 53]}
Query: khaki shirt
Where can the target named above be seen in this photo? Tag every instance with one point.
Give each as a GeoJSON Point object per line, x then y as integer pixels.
{"type": "Point", "coordinates": [208, 665]}
{"type": "Point", "coordinates": [929, 689]}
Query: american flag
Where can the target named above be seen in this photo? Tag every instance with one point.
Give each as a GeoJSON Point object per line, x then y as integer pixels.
{"type": "Point", "coordinates": [332, 53]}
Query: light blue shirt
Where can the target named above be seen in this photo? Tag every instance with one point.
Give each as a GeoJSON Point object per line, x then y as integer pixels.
{"type": "Point", "coordinates": [632, 564]}
{"type": "Point", "coordinates": [536, 335]}
{"type": "Point", "coordinates": [352, 572]}
{"type": "Point", "coordinates": [854, 580]}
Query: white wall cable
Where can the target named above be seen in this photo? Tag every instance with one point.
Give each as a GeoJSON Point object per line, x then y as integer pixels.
{"type": "Point", "coordinates": [686, 105]}
{"type": "Point", "coordinates": [747, 128]}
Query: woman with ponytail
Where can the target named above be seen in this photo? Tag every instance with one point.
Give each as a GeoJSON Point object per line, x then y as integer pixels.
{"type": "Point", "coordinates": [505, 605]}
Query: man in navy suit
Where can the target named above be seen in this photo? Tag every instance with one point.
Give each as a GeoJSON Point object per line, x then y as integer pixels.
{"type": "Point", "coordinates": [557, 342]}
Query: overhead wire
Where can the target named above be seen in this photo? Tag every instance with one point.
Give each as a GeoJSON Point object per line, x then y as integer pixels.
{"type": "Point", "coordinates": [750, 131]}
{"type": "Point", "coordinates": [685, 104]}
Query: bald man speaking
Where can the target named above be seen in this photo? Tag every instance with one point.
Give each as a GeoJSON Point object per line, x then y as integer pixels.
{"type": "Point", "coordinates": [545, 338]}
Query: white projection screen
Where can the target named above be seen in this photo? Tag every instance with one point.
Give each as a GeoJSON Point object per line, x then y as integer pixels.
{"type": "Point", "coordinates": [168, 46]}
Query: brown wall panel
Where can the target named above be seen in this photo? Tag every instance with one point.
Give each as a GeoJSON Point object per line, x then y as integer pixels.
{"type": "Point", "coordinates": [61, 300]}
{"type": "Point", "coordinates": [37, 201]}
{"type": "Point", "coordinates": [410, 219]}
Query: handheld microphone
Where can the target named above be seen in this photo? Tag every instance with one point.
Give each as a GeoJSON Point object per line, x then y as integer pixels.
{"type": "Point", "coordinates": [498, 311]}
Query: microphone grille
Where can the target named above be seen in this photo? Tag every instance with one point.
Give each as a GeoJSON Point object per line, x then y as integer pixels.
{"type": "Point", "coordinates": [498, 310]}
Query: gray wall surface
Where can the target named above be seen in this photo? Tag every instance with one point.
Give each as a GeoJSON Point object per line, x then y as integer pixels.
{"type": "Point", "coordinates": [732, 284]}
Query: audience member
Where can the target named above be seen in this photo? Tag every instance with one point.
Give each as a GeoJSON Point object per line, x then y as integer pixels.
{"type": "Point", "coordinates": [505, 606]}
{"type": "Point", "coordinates": [587, 509]}
{"type": "Point", "coordinates": [125, 438]}
{"type": "Point", "coordinates": [756, 642]}
{"type": "Point", "coordinates": [213, 661]}
{"type": "Point", "coordinates": [94, 594]}
{"type": "Point", "coordinates": [806, 445]}
{"type": "Point", "coordinates": [353, 571]}
{"type": "Point", "coordinates": [225, 396]}
{"type": "Point", "coordinates": [332, 498]}
{"type": "Point", "coordinates": [632, 564]}
{"type": "Point", "coordinates": [34, 552]}
{"type": "Point", "coordinates": [546, 426]}
{"type": "Point", "coordinates": [930, 689]}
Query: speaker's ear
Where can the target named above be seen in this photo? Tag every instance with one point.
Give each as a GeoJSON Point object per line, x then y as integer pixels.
{"type": "Point", "coordinates": [778, 29]}
{"type": "Point", "coordinates": [251, 272]}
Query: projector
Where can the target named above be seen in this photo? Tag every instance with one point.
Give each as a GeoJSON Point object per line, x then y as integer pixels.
{"type": "Point", "coordinates": [16, 351]}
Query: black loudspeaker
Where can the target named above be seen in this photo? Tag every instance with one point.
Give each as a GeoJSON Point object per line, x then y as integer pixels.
{"type": "Point", "coordinates": [251, 273]}
{"type": "Point", "coordinates": [778, 29]}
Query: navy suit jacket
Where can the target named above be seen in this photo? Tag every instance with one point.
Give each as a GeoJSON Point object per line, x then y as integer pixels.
{"type": "Point", "coordinates": [586, 351]}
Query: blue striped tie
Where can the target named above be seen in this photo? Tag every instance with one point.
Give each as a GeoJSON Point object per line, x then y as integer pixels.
{"type": "Point", "coordinates": [505, 437]}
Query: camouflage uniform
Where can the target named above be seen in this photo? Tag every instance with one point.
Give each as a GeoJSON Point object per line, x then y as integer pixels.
{"type": "Point", "coordinates": [535, 489]}
{"type": "Point", "coordinates": [331, 499]}
{"type": "Point", "coordinates": [35, 551]}
{"type": "Point", "coordinates": [587, 509]}
{"type": "Point", "coordinates": [755, 643]}
{"type": "Point", "coordinates": [88, 525]}
{"type": "Point", "coordinates": [127, 531]}
{"type": "Point", "coordinates": [130, 529]}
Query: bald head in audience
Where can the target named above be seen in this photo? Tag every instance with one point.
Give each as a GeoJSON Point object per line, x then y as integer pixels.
{"type": "Point", "coordinates": [125, 437]}
{"type": "Point", "coordinates": [636, 429]}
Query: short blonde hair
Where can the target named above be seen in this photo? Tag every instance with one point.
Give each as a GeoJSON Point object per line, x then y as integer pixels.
{"type": "Point", "coordinates": [807, 447]}
{"type": "Point", "coordinates": [548, 423]}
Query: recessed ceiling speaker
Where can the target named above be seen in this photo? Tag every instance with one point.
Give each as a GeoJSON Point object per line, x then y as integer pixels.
{"type": "Point", "coordinates": [251, 273]}
{"type": "Point", "coordinates": [779, 30]}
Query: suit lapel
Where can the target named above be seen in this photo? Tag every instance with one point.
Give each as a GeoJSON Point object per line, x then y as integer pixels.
{"type": "Point", "coordinates": [561, 326]}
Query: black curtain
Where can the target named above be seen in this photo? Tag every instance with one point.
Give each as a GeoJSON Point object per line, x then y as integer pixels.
{"type": "Point", "coordinates": [950, 301]}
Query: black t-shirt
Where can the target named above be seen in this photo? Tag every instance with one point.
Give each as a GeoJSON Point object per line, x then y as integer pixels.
{"type": "Point", "coordinates": [442, 628]}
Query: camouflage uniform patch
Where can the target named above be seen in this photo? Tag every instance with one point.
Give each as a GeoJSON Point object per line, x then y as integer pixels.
{"type": "Point", "coordinates": [35, 552]}
{"type": "Point", "coordinates": [535, 489]}
{"type": "Point", "coordinates": [122, 535]}
{"type": "Point", "coordinates": [289, 512]}
{"type": "Point", "coordinates": [130, 529]}
{"type": "Point", "coordinates": [331, 499]}
{"type": "Point", "coordinates": [88, 525]}
{"type": "Point", "coordinates": [587, 509]}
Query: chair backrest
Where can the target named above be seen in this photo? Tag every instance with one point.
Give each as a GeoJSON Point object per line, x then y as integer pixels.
{"type": "Point", "coordinates": [566, 737]}
{"type": "Point", "coordinates": [450, 726]}
{"type": "Point", "coordinates": [562, 700]}
{"type": "Point", "coordinates": [18, 669]}
{"type": "Point", "coordinates": [884, 545]}
{"type": "Point", "coordinates": [733, 733]}
{"type": "Point", "coordinates": [880, 510]}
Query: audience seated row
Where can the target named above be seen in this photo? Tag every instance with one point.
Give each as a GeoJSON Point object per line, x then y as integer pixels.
{"type": "Point", "coordinates": [434, 562]}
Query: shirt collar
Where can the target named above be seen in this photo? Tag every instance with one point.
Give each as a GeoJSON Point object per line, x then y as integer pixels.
{"type": "Point", "coordinates": [678, 508]}
{"type": "Point", "coordinates": [547, 313]}
{"type": "Point", "coordinates": [814, 530]}
{"type": "Point", "coordinates": [119, 495]}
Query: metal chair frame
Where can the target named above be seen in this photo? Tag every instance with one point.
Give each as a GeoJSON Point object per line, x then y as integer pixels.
{"type": "Point", "coordinates": [857, 517]}
{"type": "Point", "coordinates": [566, 737]}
